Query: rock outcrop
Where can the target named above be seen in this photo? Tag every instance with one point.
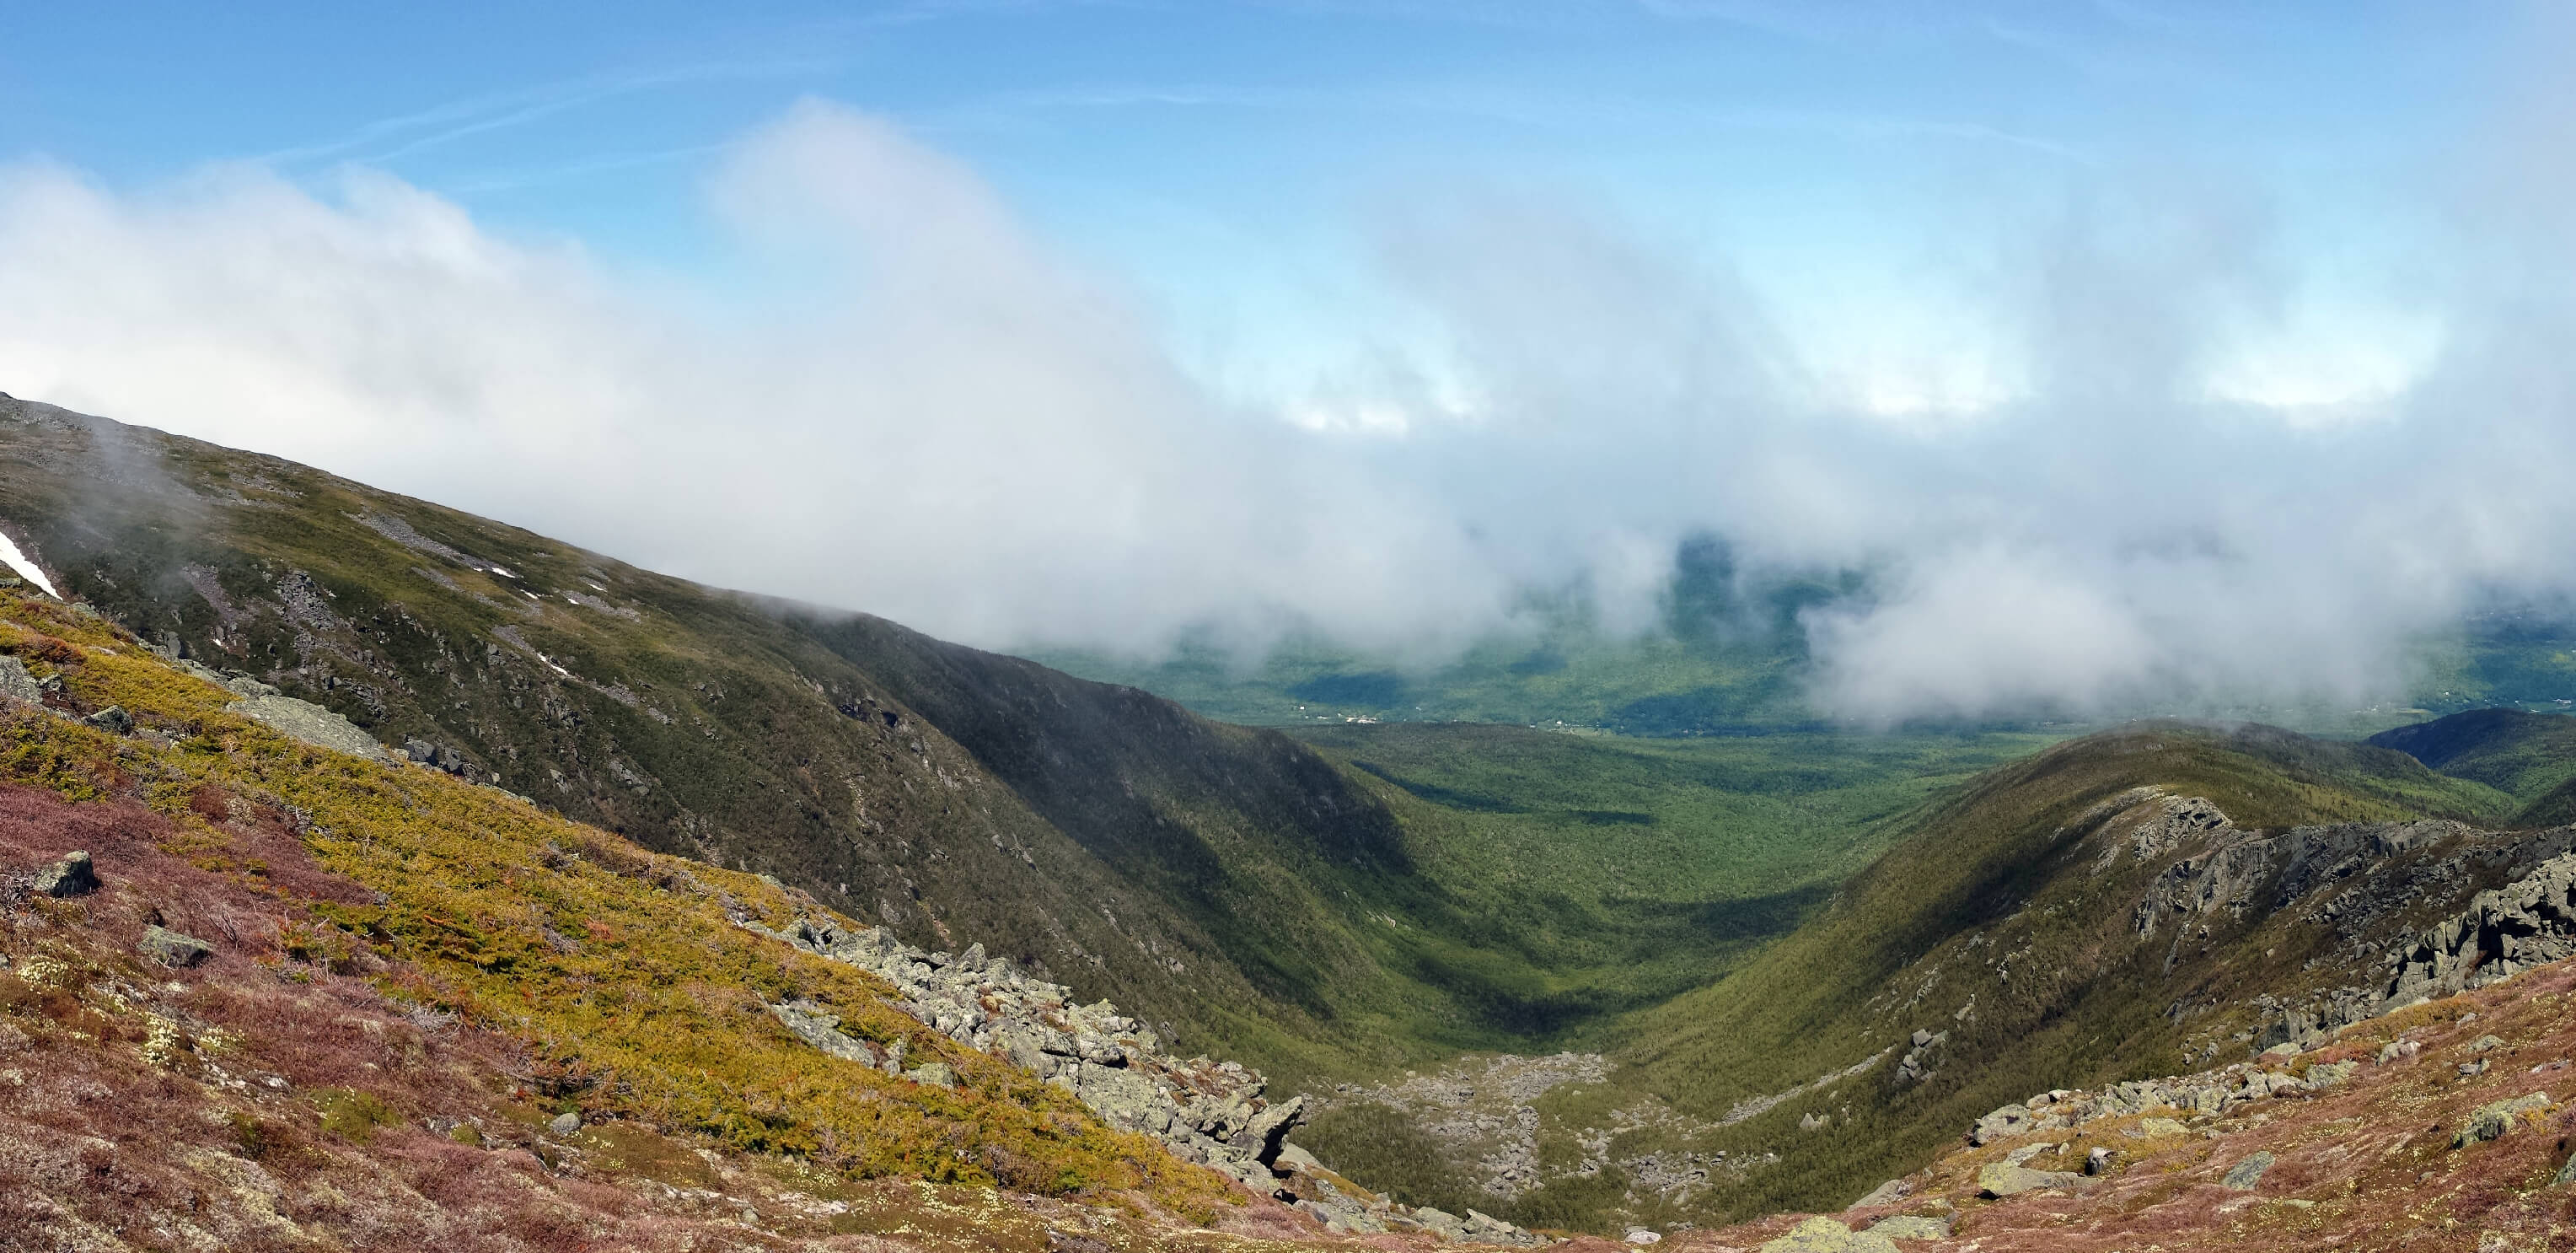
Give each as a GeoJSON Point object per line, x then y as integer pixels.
{"type": "Point", "coordinates": [2526, 923]}
{"type": "Point", "coordinates": [1208, 1112]}
{"type": "Point", "coordinates": [2196, 1096]}
{"type": "Point", "coordinates": [2498, 1119]}
{"type": "Point", "coordinates": [1212, 1113]}
{"type": "Point", "coordinates": [301, 719]}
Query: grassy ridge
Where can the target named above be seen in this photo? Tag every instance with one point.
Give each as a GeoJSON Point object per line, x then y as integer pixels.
{"type": "Point", "coordinates": [621, 970]}
{"type": "Point", "coordinates": [1992, 852]}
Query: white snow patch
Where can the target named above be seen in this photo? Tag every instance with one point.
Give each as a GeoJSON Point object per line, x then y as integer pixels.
{"type": "Point", "coordinates": [26, 569]}
{"type": "Point", "coordinates": [550, 665]}
{"type": "Point", "coordinates": [503, 571]}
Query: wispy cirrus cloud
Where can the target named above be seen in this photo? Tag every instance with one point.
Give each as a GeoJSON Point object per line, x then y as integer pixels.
{"type": "Point", "coordinates": [390, 138]}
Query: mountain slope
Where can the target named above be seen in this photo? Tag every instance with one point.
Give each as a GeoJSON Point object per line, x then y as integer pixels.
{"type": "Point", "coordinates": [2013, 922]}
{"type": "Point", "coordinates": [2135, 902]}
{"type": "Point", "coordinates": [294, 995]}
{"type": "Point", "coordinates": [1202, 875]}
{"type": "Point", "coordinates": [2436, 1126]}
{"type": "Point", "coordinates": [1239, 891]}
{"type": "Point", "coordinates": [2524, 755]}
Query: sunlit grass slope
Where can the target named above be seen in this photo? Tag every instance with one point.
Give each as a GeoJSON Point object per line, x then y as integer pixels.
{"type": "Point", "coordinates": [622, 971]}
{"type": "Point", "coordinates": [1999, 848]}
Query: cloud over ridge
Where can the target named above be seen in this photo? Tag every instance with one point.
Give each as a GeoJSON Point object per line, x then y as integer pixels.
{"type": "Point", "coordinates": [930, 413]}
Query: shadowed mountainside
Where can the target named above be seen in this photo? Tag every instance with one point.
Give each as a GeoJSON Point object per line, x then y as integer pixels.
{"type": "Point", "coordinates": [1242, 892]}
{"type": "Point", "coordinates": [1203, 876]}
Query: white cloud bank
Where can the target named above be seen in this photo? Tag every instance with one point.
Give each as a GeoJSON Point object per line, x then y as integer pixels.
{"type": "Point", "coordinates": [932, 416]}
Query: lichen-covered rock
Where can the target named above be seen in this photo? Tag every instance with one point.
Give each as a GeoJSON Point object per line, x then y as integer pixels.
{"type": "Point", "coordinates": [2497, 1119]}
{"type": "Point", "coordinates": [2011, 1120]}
{"type": "Point", "coordinates": [1912, 1227]}
{"type": "Point", "coordinates": [113, 720]}
{"type": "Point", "coordinates": [1211, 1113]}
{"type": "Point", "coordinates": [2525, 923]}
{"type": "Point", "coordinates": [2002, 1179]}
{"type": "Point", "coordinates": [822, 1030]}
{"type": "Point", "coordinates": [1824, 1235]}
{"type": "Point", "coordinates": [171, 948]}
{"type": "Point", "coordinates": [2330, 1075]}
{"type": "Point", "coordinates": [286, 715]}
{"type": "Point", "coordinates": [18, 685]}
{"type": "Point", "coordinates": [2245, 1175]}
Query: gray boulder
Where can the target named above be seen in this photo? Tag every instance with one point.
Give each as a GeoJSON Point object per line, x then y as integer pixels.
{"type": "Point", "coordinates": [2246, 1174]}
{"type": "Point", "coordinates": [113, 720]}
{"type": "Point", "coordinates": [310, 723]}
{"type": "Point", "coordinates": [18, 685]}
{"type": "Point", "coordinates": [822, 1030]}
{"type": "Point", "coordinates": [72, 875]}
{"type": "Point", "coordinates": [1267, 1130]}
{"type": "Point", "coordinates": [2497, 1119]}
{"type": "Point", "coordinates": [302, 720]}
{"type": "Point", "coordinates": [2011, 1120]}
{"type": "Point", "coordinates": [2003, 1179]}
{"type": "Point", "coordinates": [1824, 1235]}
{"type": "Point", "coordinates": [171, 948]}
{"type": "Point", "coordinates": [565, 1123]}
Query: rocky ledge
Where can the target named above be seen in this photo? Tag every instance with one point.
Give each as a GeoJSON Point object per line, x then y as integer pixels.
{"type": "Point", "coordinates": [2206, 1094]}
{"type": "Point", "coordinates": [1210, 1112]}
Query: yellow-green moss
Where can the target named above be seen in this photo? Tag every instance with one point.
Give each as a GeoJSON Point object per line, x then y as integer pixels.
{"type": "Point", "coordinates": [622, 970]}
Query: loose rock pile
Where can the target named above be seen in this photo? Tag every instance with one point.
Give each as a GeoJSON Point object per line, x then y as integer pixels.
{"type": "Point", "coordinates": [1212, 1113]}
{"type": "Point", "coordinates": [2208, 1093]}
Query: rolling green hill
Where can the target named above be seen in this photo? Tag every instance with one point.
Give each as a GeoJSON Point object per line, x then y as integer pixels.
{"type": "Point", "coordinates": [2520, 754]}
{"type": "Point", "coordinates": [2528, 756]}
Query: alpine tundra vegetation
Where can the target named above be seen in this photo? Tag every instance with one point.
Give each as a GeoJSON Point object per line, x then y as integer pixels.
{"type": "Point", "coordinates": [284, 928]}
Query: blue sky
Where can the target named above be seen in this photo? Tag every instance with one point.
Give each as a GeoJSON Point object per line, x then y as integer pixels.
{"type": "Point", "coordinates": [1222, 156]}
{"type": "Point", "coordinates": [2138, 347]}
